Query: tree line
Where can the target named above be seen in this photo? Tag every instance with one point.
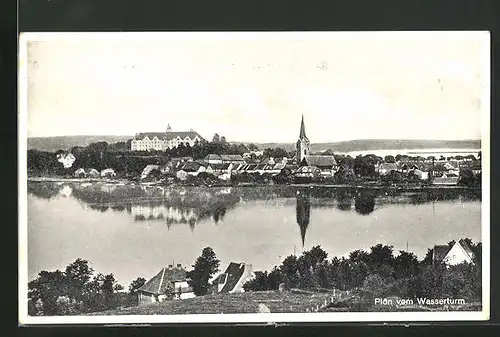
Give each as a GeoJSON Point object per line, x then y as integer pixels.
{"type": "Point", "coordinates": [377, 273]}
{"type": "Point", "coordinates": [78, 290]}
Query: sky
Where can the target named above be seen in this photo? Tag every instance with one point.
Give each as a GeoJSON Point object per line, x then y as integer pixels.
{"type": "Point", "coordinates": [255, 87]}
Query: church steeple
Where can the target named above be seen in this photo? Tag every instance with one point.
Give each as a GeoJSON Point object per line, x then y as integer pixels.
{"type": "Point", "coordinates": [303, 146]}
{"type": "Point", "coordinates": [302, 129]}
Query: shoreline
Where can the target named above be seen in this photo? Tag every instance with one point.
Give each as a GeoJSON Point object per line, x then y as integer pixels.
{"type": "Point", "coordinates": [400, 187]}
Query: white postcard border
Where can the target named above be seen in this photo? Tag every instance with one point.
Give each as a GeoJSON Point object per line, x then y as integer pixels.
{"type": "Point", "coordinates": [25, 319]}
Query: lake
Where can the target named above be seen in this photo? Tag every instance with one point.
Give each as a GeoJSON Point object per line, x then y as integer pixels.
{"type": "Point", "coordinates": [134, 231]}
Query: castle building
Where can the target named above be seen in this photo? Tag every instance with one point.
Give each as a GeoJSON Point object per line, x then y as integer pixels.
{"type": "Point", "coordinates": [162, 141]}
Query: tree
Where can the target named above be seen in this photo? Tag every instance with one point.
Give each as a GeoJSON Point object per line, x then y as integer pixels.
{"type": "Point", "coordinates": [253, 147]}
{"type": "Point", "coordinates": [216, 138]}
{"type": "Point", "coordinates": [223, 139]}
{"type": "Point", "coordinates": [405, 265]}
{"type": "Point", "coordinates": [78, 274]}
{"type": "Point", "coordinates": [133, 290]}
{"type": "Point", "coordinates": [204, 268]}
{"type": "Point", "coordinates": [389, 159]}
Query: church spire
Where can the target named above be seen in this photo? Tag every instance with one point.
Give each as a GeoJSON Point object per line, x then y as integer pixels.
{"type": "Point", "coordinates": [302, 129]}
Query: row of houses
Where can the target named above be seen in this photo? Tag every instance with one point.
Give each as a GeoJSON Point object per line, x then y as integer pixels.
{"type": "Point", "coordinates": [443, 172]}
{"type": "Point", "coordinates": [93, 173]}
{"type": "Point", "coordinates": [171, 282]}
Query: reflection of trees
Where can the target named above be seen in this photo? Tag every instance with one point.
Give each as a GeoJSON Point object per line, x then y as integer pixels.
{"type": "Point", "coordinates": [344, 200]}
{"type": "Point", "coordinates": [44, 190]}
{"type": "Point", "coordinates": [218, 213]}
{"type": "Point", "coordinates": [364, 202]}
{"type": "Point", "coordinates": [101, 208]}
{"type": "Point", "coordinates": [303, 211]}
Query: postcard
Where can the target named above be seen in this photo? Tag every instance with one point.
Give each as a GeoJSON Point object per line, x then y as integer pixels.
{"type": "Point", "coordinates": [253, 177]}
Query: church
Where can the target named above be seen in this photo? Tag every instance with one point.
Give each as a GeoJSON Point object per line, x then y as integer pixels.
{"type": "Point", "coordinates": [325, 164]}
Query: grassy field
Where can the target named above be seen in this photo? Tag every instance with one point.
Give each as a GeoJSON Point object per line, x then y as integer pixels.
{"type": "Point", "coordinates": [277, 302]}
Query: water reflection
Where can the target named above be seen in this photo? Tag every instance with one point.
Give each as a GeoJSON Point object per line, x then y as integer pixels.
{"type": "Point", "coordinates": [344, 200]}
{"type": "Point", "coordinates": [364, 203]}
{"type": "Point", "coordinates": [189, 206]}
{"type": "Point", "coordinates": [303, 212]}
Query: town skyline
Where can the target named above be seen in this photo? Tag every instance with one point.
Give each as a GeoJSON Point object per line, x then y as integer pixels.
{"type": "Point", "coordinates": [255, 89]}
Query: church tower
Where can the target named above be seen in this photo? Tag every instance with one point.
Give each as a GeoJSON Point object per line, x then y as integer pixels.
{"type": "Point", "coordinates": [303, 145]}
{"type": "Point", "coordinates": [169, 128]}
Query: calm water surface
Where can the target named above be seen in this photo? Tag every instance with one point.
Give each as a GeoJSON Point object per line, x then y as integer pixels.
{"type": "Point", "coordinates": [134, 231]}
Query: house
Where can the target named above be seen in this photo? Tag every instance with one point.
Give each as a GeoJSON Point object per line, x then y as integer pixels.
{"type": "Point", "coordinates": [93, 173]}
{"type": "Point", "coordinates": [80, 173]}
{"type": "Point", "coordinates": [232, 158]}
{"type": "Point", "coordinates": [460, 252]}
{"type": "Point", "coordinates": [162, 141]}
{"type": "Point", "coordinates": [420, 174]}
{"type": "Point", "coordinates": [192, 168]}
{"type": "Point", "coordinates": [386, 168]}
{"type": "Point", "coordinates": [109, 172]}
{"type": "Point", "coordinates": [213, 159]}
{"type": "Point", "coordinates": [307, 172]}
{"type": "Point", "coordinates": [233, 278]}
{"type": "Point", "coordinates": [169, 283]}
{"type": "Point", "coordinates": [147, 170]}
{"type": "Point", "coordinates": [67, 159]}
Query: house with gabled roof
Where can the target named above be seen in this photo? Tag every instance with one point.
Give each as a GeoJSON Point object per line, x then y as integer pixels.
{"type": "Point", "coordinates": [168, 283]}
{"type": "Point", "coordinates": [386, 168]}
{"type": "Point", "coordinates": [233, 278]}
{"type": "Point", "coordinates": [459, 252]}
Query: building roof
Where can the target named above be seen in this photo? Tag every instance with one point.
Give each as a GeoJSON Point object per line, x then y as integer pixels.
{"type": "Point", "coordinates": [158, 284]}
{"type": "Point", "coordinates": [279, 166]}
{"type": "Point", "coordinates": [251, 167]}
{"type": "Point", "coordinates": [320, 161]}
{"type": "Point", "coordinates": [168, 135]}
{"type": "Point", "coordinates": [466, 248]}
{"type": "Point", "coordinates": [191, 166]}
{"type": "Point", "coordinates": [231, 157]}
{"type": "Point", "coordinates": [213, 156]}
{"type": "Point", "coordinates": [225, 166]}
{"type": "Point", "coordinates": [439, 252]}
{"type": "Point", "coordinates": [234, 272]}
{"type": "Point", "coordinates": [147, 170]}
{"type": "Point", "coordinates": [388, 166]}
{"type": "Point", "coordinates": [260, 166]}
{"type": "Point", "coordinates": [150, 135]}
{"type": "Point", "coordinates": [216, 166]}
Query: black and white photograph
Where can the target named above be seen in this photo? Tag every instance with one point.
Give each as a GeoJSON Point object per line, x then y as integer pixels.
{"type": "Point", "coordinates": [246, 177]}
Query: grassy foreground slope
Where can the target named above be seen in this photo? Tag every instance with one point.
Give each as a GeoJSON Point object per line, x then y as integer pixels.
{"type": "Point", "coordinates": [285, 302]}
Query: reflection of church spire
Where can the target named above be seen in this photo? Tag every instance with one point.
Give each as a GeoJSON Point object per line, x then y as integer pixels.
{"type": "Point", "coordinates": [192, 224]}
{"type": "Point", "coordinates": [303, 213]}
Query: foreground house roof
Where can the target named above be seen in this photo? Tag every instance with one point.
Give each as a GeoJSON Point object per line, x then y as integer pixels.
{"type": "Point", "coordinates": [158, 284]}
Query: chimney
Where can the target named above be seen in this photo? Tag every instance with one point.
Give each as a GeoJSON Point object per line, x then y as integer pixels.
{"type": "Point", "coordinates": [179, 265]}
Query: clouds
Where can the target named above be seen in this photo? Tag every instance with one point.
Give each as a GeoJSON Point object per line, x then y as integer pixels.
{"type": "Point", "coordinates": [255, 88]}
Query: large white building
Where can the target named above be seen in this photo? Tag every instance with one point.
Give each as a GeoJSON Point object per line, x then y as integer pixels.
{"type": "Point", "coordinates": [162, 141]}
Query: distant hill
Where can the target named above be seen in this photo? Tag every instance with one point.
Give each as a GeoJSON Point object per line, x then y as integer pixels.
{"type": "Point", "coordinates": [67, 142]}
{"type": "Point", "coordinates": [381, 144]}
{"type": "Point", "coordinates": [53, 144]}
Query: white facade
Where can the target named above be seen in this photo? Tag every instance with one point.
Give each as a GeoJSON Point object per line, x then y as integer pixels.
{"type": "Point", "coordinates": [457, 255]}
{"type": "Point", "coordinates": [162, 142]}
